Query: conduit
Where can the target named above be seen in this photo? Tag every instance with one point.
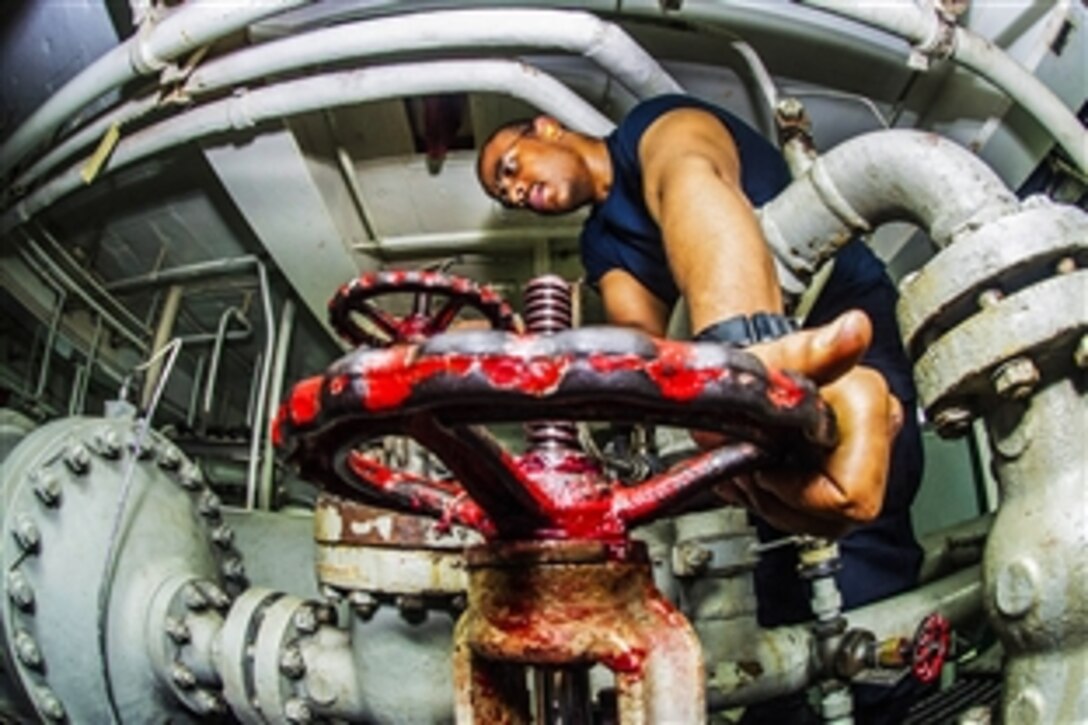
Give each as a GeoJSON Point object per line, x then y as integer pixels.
{"type": "Point", "coordinates": [329, 91]}
{"type": "Point", "coordinates": [884, 176]}
{"type": "Point", "coordinates": [146, 52]}
{"type": "Point", "coordinates": [923, 28]}
{"type": "Point", "coordinates": [576, 32]}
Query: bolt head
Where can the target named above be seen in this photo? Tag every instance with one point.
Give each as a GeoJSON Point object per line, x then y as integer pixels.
{"type": "Point", "coordinates": [26, 533]}
{"type": "Point", "coordinates": [26, 649]}
{"type": "Point", "coordinates": [49, 704]}
{"type": "Point", "coordinates": [19, 590]}
{"type": "Point", "coordinates": [364, 604]}
{"type": "Point", "coordinates": [77, 458]}
{"type": "Point", "coordinates": [234, 569]}
{"type": "Point", "coordinates": [1016, 379]}
{"type": "Point", "coordinates": [47, 487]}
{"type": "Point", "coordinates": [297, 711]}
{"type": "Point", "coordinates": [223, 536]}
{"type": "Point", "coordinates": [218, 598]}
{"type": "Point", "coordinates": [169, 458]}
{"type": "Point", "coordinates": [177, 630]}
{"type": "Point", "coordinates": [952, 421]}
{"type": "Point", "coordinates": [209, 505]}
{"type": "Point", "coordinates": [194, 597]}
{"type": "Point", "coordinates": [182, 676]}
{"type": "Point", "coordinates": [107, 443]}
{"type": "Point", "coordinates": [209, 703]}
{"type": "Point", "coordinates": [305, 619]}
{"type": "Point", "coordinates": [1080, 355]}
{"type": "Point", "coordinates": [292, 663]}
{"type": "Point", "coordinates": [190, 477]}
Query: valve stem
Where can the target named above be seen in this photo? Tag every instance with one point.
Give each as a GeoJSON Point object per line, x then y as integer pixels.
{"type": "Point", "coordinates": [548, 310]}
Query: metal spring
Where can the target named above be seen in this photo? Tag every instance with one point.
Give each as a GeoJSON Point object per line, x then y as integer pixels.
{"type": "Point", "coordinates": [547, 310]}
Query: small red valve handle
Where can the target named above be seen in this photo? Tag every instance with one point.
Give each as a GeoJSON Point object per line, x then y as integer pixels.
{"type": "Point", "coordinates": [929, 649]}
{"type": "Point", "coordinates": [356, 299]}
{"type": "Point", "coordinates": [437, 391]}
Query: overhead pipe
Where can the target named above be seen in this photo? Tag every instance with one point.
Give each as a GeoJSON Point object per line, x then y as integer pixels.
{"type": "Point", "coordinates": [148, 51]}
{"type": "Point", "coordinates": [331, 90]}
{"type": "Point", "coordinates": [600, 41]}
{"type": "Point", "coordinates": [895, 175]}
{"type": "Point", "coordinates": [927, 30]}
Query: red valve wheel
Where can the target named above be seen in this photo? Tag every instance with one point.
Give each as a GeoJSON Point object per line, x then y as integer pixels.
{"type": "Point", "coordinates": [385, 328]}
{"type": "Point", "coordinates": [930, 648]}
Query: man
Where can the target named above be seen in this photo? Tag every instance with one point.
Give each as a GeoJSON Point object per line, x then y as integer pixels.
{"type": "Point", "coordinates": [672, 191]}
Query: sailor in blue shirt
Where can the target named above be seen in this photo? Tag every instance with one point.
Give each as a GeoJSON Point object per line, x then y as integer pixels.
{"type": "Point", "coordinates": [672, 192]}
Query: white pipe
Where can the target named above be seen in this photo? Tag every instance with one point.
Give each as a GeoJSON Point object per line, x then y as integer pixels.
{"type": "Point", "coordinates": [328, 91]}
{"type": "Point", "coordinates": [922, 28]}
{"type": "Point", "coordinates": [577, 32]}
{"type": "Point", "coordinates": [878, 177]}
{"type": "Point", "coordinates": [279, 371]}
{"type": "Point", "coordinates": [190, 27]}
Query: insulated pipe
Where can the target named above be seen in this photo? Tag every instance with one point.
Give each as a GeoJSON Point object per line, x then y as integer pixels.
{"type": "Point", "coordinates": [923, 28]}
{"type": "Point", "coordinates": [576, 32]}
{"type": "Point", "coordinates": [601, 42]}
{"type": "Point", "coordinates": [883, 176]}
{"type": "Point", "coordinates": [148, 51]}
{"type": "Point", "coordinates": [327, 91]}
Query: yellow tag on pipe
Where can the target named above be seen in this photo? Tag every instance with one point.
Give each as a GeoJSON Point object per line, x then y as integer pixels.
{"type": "Point", "coordinates": [101, 154]}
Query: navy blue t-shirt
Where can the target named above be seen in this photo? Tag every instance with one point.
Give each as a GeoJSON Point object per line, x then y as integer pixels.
{"type": "Point", "coordinates": [881, 558]}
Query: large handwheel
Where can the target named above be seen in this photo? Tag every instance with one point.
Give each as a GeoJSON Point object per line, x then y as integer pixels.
{"type": "Point", "coordinates": [356, 300]}
{"type": "Point", "coordinates": [437, 390]}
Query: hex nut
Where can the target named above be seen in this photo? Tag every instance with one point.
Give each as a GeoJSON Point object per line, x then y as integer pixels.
{"type": "Point", "coordinates": [292, 663]}
{"type": "Point", "coordinates": [169, 458]}
{"type": "Point", "coordinates": [952, 421]}
{"type": "Point", "coordinates": [47, 487]}
{"type": "Point", "coordinates": [297, 711]}
{"type": "Point", "coordinates": [1080, 355]}
{"type": "Point", "coordinates": [233, 568]}
{"type": "Point", "coordinates": [209, 504]}
{"type": "Point", "coordinates": [209, 703]}
{"type": "Point", "coordinates": [190, 477]}
{"type": "Point", "coordinates": [218, 598]}
{"type": "Point", "coordinates": [77, 458]}
{"type": "Point", "coordinates": [1016, 379]}
{"type": "Point", "coordinates": [106, 443]}
{"type": "Point", "coordinates": [223, 536]}
{"type": "Point", "coordinates": [182, 676]}
{"type": "Point", "coordinates": [177, 630]}
{"type": "Point", "coordinates": [305, 619]}
{"type": "Point", "coordinates": [50, 705]}
{"type": "Point", "coordinates": [26, 533]}
{"type": "Point", "coordinates": [26, 649]}
{"type": "Point", "coordinates": [194, 597]}
{"type": "Point", "coordinates": [19, 590]}
{"type": "Point", "coordinates": [364, 604]}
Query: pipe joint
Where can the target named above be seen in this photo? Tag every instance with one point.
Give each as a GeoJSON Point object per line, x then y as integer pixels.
{"type": "Point", "coordinates": [239, 113]}
{"type": "Point", "coordinates": [939, 42]}
{"type": "Point", "coordinates": [141, 53]}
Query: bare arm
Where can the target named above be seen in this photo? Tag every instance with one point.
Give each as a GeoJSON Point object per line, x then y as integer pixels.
{"type": "Point", "coordinates": [713, 241]}
{"type": "Point", "coordinates": [629, 304]}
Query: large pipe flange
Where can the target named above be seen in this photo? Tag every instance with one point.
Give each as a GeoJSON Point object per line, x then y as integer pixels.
{"type": "Point", "coordinates": [998, 311]}
{"type": "Point", "coordinates": [98, 515]}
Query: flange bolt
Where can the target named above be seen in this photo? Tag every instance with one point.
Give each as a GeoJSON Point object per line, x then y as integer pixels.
{"type": "Point", "coordinates": [47, 487]}
{"type": "Point", "coordinates": [107, 443]}
{"type": "Point", "coordinates": [26, 533]}
{"type": "Point", "coordinates": [77, 458]}
{"type": "Point", "coordinates": [50, 704]}
{"type": "Point", "coordinates": [26, 649]}
{"type": "Point", "coordinates": [297, 711]}
{"type": "Point", "coordinates": [177, 630]}
{"type": "Point", "coordinates": [291, 663]}
{"type": "Point", "coordinates": [19, 590]}
{"type": "Point", "coordinates": [182, 676]}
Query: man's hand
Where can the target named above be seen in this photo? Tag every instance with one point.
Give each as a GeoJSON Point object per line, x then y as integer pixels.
{"type": "Point", "coordinates": [849, 486]}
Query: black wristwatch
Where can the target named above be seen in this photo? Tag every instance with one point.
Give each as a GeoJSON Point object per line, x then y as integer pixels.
{"type": "Point", "coordinates": [744, 330]}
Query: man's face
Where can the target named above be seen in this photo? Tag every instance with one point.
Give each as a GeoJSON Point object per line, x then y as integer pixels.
{"type": "Point", "coordinates": [527, 168]}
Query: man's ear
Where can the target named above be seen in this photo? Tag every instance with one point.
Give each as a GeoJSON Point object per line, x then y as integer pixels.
{"type": "Point", "coordinates": [547, 128]}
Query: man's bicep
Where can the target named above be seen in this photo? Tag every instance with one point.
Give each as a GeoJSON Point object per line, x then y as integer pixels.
{"type": "Point", "coordinates": [629, 304]}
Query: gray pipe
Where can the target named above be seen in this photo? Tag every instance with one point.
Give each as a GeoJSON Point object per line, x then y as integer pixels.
{"type": "Point", "coordinates": [785, 656]}
{"type": "Point", "coordinates": [601, 42]}
{"type": "Point", "coordinates": [328, 91]}
{"type": "Point", "coordinates": [875, 178]}
{"type": "Point", "coordinates": [217, 352]}
{"type": "Point", "coordinates": [259, 431]}
{"type": "Point", "coordinates": [148, 51]}
{"type": "Point", "coordinates": [922, 27]}
{"type": "Point", "coordinates": [279, 370]}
